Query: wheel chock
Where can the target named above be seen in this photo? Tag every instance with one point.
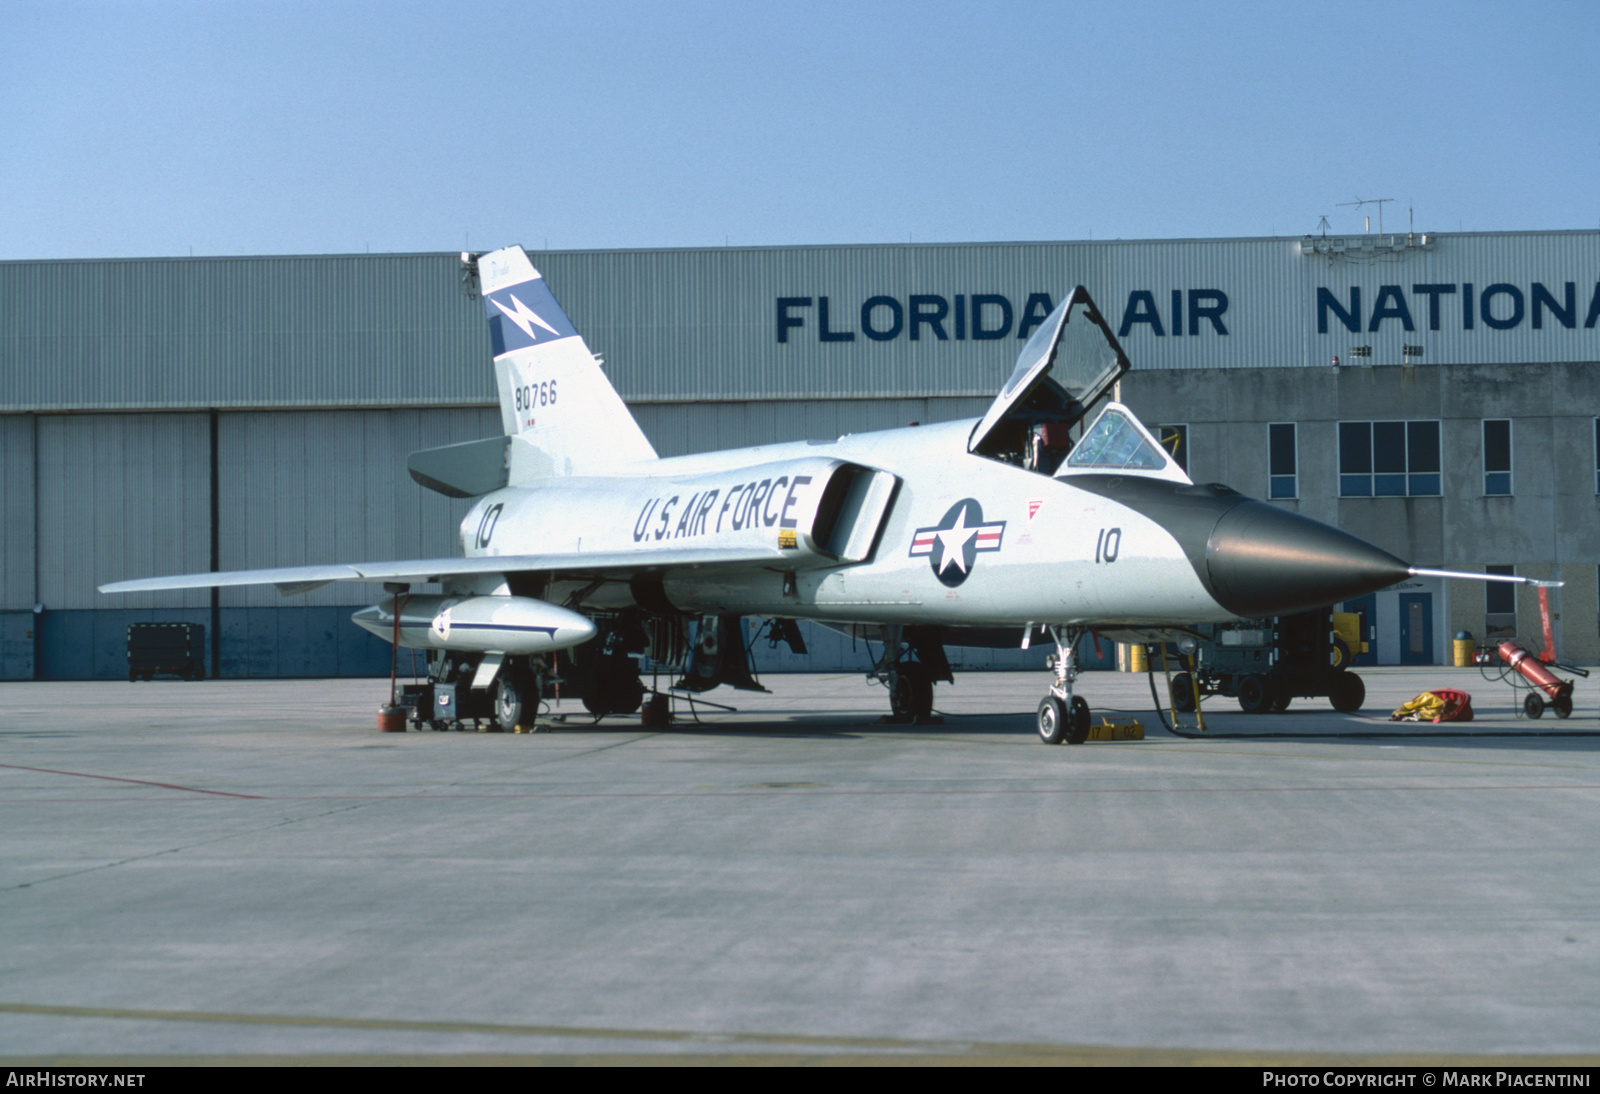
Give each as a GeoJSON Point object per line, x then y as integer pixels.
{"type": "Point", "coordinates": [1107, 730]}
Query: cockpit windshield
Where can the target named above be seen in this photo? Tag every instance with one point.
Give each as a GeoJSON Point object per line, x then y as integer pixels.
{"type": "Point", "coordinates": [1116, 441]}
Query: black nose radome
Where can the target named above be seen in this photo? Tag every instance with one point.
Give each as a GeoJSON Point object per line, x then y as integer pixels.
{"type": "Point", "coordinates": [1253, 558]}
{"type": "Point", "coordinates": [1263, 560]}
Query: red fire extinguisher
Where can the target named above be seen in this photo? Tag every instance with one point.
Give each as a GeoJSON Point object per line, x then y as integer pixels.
{"type": "Point", "coordinates": [1543, 682]}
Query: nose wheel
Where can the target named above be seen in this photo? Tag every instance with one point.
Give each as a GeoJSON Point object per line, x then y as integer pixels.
{"type": "Point", "coordinates": [1058, 726]}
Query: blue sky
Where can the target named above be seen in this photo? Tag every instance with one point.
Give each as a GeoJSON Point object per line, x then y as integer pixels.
{"type": "Point", "coordinates": [134, 129]}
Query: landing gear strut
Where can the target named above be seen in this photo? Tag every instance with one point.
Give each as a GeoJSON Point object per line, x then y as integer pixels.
{"type": "Point", "coordinates": [910, 692]}
{"type": "Point", "coordinates": [1063, 716]}
{"type": "Point", "coordinates": [911, 682]}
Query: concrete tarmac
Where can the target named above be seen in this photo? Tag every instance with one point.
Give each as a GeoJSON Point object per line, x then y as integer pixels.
{"type": "Point", "coordinates": [248, 870]}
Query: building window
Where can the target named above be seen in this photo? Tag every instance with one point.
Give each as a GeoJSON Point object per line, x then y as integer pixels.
{"type": "Point", "coordinates": [1175, 439]}
{"type": "Point", "coordinates": [1282, 466]}
{"type": "Point", "coordinates": [1388, 459]}
{"type": "Point", "coordinates": [1500, 604]}
{"type": "Point", "coordinates": [1497, 455]}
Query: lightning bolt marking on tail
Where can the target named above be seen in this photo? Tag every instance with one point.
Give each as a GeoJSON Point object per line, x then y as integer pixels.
{"type": "Point", "coordinates": [524, 317]}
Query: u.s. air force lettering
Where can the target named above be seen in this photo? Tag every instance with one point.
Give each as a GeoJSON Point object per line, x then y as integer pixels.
{"type": "Point", "coordinates": [953, 545]}
{"type": "Point", "coordinates": [745, 505]}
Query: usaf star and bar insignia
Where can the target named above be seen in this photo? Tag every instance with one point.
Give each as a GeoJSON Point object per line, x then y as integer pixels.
{"type": "Point", "coordinates": [953, 545]}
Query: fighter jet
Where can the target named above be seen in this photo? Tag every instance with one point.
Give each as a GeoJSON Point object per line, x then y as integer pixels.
{"type": "Point", "coordinates": [585, 550]}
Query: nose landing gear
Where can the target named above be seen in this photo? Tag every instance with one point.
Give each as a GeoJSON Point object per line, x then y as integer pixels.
{"type": "Point", "coordinates": [1064, 717]}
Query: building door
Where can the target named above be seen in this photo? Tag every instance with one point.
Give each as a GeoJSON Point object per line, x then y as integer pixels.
{"type": "Point", "coordinates": [16, 645]}
{"type": "Point", "coordinates": [1416, 628]}
{"type": "Point", "coordinates": [1367, 608]}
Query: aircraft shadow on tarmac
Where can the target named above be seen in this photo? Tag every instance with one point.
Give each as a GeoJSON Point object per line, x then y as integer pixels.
{"type": "Point", "coordinates": [853, 726]}
{"type": "Point", "coordinates": [1231, 727]}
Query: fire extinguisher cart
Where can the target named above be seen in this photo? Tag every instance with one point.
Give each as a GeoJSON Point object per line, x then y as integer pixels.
{"type": "Point", "coordinates": [1545, 688]}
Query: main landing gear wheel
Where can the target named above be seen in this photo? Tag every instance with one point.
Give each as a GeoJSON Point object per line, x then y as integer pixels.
{"type": "Point", "coordinates": [1183, 700]}
{"type": "Point", "coordinates": [512, 696]}
{"type": "Point", "coordinates": [1055, 727]}
{"type": "Point", "coordinates": [911, 692]}
{"type": "Point", "coordinates": [1533, 706]}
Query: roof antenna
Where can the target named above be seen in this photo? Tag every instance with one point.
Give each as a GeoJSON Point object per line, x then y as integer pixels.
{"type": "Point", "coordinates": [1359, 202]}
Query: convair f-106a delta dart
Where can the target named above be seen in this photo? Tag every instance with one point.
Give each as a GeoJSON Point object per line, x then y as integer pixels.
{"type": "Point", "coordinates": [1034, 520]}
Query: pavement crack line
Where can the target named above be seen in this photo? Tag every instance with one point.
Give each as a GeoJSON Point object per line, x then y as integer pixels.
{"type": "Point", "coordinates": [348, 805]}
{"type": "Point", "coordinates": [283, 823]}
{"type": "Point", "coordinates": [125, 779]}
{"type": "Point", "coordinates": [547, 761]}
{"type": "Point", "coordinates": [526, 1030]}
{"type": "Point", "coordinates": [899, 1049]}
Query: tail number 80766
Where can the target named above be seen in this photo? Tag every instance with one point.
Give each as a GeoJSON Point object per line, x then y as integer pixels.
{"type": "Point", "coordinates": [529, 396]}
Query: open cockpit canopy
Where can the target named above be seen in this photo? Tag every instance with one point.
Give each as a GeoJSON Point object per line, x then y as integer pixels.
{"type": "Point", "coordinates": [1064, 370]}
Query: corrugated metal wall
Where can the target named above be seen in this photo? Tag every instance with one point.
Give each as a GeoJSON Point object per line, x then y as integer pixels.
{"type": "Point", "coordinates": [121, 494]}
{"type": "Point", "coordinates": [16, 511]}
{"type": "Point", "coordinates": [305, 487]}
{"type": "Point", "coordinates": [341, 330]}
{"type": "Point", "coordinates": [17, 531]}
{"type": "Point", "coordinates": [678, 325]}
{"type": "Point", "coordinates": [1484, 304]}
{"type": "Point", "coordinates": [680, 428]}
{"type": "Point", "coordinates": [686, 325]}
{"type": "Point", "coordinates": [128, 495]}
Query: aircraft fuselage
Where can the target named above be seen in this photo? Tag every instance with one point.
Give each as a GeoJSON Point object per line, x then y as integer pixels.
{"type": "Point", "coordinates": [964, 540]}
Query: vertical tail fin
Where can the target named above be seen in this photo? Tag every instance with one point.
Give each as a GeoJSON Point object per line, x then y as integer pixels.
{"type": "Point", "coordinates": [562, 414]}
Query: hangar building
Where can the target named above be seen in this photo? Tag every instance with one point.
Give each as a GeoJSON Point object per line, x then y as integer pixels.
{"type": "Point", "coordinates": [1438, 394]}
